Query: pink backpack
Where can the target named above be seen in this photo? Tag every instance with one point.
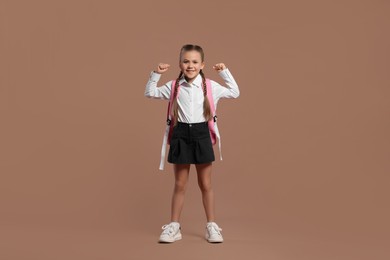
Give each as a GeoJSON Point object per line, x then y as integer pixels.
{"type": "Point", "coordinates": [214, 133]}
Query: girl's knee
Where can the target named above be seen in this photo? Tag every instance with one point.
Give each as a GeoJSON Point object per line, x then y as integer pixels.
{"type": "Point", "coordinates": [180, 186]}
{"type": "Point", "coordinates": [204, 186]}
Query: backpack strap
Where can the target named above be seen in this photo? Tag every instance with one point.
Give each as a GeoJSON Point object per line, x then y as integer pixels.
{"type": "Point", "coordinates": [168, 128]}
{"type": "Point", "coordinates": [169, 112]}
{"type": "Point", "coordinates": [214, 132]}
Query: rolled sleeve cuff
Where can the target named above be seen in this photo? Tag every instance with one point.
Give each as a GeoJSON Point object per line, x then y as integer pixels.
{"type": "Point", "coordinates": [225, 74]}
{"type": "Point", "coordinates": [154, 76]}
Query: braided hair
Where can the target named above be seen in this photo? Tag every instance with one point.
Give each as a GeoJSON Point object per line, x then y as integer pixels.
{"type": "Point", "coordinates": [206, 104]}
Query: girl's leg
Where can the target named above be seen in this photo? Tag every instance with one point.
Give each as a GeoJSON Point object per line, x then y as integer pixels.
{"type": "Point", "coordinates": [204, 182]}
{"type": "Point", "coordinates": [181, 179]}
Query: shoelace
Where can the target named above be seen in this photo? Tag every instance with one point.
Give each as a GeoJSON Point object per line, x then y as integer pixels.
{"type": "Point", "coordinates": [213, 228]}
{"type": "Point", "coordinates": [168, 229]}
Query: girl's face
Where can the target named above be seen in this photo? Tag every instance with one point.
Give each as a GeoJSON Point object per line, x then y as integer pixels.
{"type": "Point", "coordinates": [191, 64]}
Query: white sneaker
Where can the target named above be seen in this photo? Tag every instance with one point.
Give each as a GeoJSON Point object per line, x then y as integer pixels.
{"type": "Point", "coordinates": [213, 233]}
{"type": "Point", "coordinates": [171, 233]}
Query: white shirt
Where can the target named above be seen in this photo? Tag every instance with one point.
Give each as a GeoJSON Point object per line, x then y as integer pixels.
{"type": "Point", "coordinates": [190, 97]}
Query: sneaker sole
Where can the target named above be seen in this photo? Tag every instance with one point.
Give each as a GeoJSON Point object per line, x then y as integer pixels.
{"type": "Point", "coordinates": [177, 237]}
{"type": "Point", "coordinates": [214, 240]}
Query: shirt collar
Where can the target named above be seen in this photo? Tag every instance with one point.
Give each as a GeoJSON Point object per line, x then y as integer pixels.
{"type": "Point", "coordinates": [197, 81]}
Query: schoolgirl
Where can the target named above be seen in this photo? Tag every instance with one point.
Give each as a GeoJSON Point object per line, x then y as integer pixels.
{"type": "Point", "coordinates": [190, 141]}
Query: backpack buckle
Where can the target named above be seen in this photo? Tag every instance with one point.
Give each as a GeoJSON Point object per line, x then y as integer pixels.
{"type": "Point", "coordinates": [215, 118]}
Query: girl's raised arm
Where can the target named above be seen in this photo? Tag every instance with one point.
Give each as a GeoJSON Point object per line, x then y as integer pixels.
{"type": "Point", "coordinates": [162, 92]}
{"type": "Point", "coordinates": [231, 90]}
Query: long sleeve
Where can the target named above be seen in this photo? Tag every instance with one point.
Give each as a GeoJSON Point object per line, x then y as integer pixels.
{"type": "Point", "coordinates": [230, 91]}
{"type": "Point", "coordinates": [152, 91]}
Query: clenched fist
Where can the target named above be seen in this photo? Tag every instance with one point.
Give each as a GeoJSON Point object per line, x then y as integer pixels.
{"type": "Point", "coordinates": [219, 67]}
{"type": "Point", "coordinates": [162, 67]}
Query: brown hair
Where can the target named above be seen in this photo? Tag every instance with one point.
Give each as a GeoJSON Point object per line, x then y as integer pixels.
{"type": "Point", "coordinates": [206, 104]}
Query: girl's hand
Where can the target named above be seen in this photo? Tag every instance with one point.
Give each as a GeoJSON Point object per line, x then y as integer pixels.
{"type": "Point", "coordinates": [219, 67]}
{"type": "Point", "coordinates": [162, 67]}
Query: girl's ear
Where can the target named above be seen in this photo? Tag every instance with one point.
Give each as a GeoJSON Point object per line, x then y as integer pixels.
{"type": "Point", "coordinates": [202, 65]}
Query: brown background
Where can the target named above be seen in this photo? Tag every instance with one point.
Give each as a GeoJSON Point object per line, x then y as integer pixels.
{"type": "Point", "coordinates": [306, 146]}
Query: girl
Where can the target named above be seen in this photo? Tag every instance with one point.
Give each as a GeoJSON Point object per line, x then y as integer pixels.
{"type": "Point", "coordinates": [190, 140]}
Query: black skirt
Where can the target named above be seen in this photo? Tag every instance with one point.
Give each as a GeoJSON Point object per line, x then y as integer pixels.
{"type": "Point", "coordinates": [191, 144]}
